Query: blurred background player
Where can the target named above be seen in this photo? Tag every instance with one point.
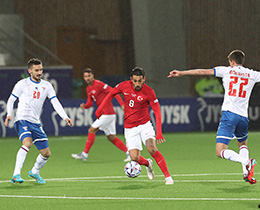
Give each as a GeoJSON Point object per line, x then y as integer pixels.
{"type": "Point", "coordinates": [138, 127]}
{"type": "Point", "coordinates": [32, 92]}
{"type": "Point", "coordinates": [238, 83]}
{"type": "Point", "coordinates": [97, 91]}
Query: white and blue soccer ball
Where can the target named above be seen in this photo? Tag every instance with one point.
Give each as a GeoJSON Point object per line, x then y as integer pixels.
{"type": "Point", "coordinates": [132, 169]}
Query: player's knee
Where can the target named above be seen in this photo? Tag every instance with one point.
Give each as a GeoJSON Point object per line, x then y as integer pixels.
{"type": "Point", "coordinates": [152, 150]}
{"type": "Point", "coordinates": [135, 157]}
{"type": "Point", "coordinates": [218, 153]}
{"type": "Point", "coordinates": [111, 137]}
{"type": "Point", "coordinates": [46, 154]}
{"type": "Point", "coordinates": [92, 130]}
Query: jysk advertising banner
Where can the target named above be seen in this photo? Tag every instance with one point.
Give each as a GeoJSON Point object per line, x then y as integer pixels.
{"type": "Point", "coordinates": [178, 115]}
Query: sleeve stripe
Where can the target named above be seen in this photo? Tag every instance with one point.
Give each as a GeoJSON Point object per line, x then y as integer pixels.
{"type": "Point", "coordinates": [53, 97]}
{"type": "Point", "coordinates": [14, 95]}
{"type": "Point", "coordinates": [214, 71]}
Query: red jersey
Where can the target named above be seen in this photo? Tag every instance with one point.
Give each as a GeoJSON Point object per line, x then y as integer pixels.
{"type": "Point", "coordinates": [97, 92]}
{"type": "Point", "coordinates": [136, 103]}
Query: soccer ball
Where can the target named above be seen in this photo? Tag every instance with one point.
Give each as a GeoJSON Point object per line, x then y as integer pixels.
{"type": "Point", "coordinates": [132, 169]}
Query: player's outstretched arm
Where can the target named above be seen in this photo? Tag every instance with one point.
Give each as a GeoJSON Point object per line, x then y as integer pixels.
{"type": "Point", "coordinates": [193, 72]}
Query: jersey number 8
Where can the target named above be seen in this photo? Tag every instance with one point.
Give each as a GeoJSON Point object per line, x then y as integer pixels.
{"type": "Point", "coordinates": [131, 103]}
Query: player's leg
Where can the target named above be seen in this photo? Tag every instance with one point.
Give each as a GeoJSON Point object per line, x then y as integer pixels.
{"type": "Point", "coordinates": [160, 160]}
{"type": "Point", "coordinates": [108, 125]}
{"type": "Point", "coordinates": [120, 145]}
{"type": "Point", "coordinates": [40, 140]}
{"type": "Point", "coordinates": [241, 134]}
{"type": "Point", "coordinates": [134, 146]}
{"type": "Point", "coordinates": [225, 133]}
{"type": "Point", "coordinates": [89, 142]}
{"type": "Point", "coordinates": [24, 133]}
{"type": "Point", "coordinates": [148, 138]}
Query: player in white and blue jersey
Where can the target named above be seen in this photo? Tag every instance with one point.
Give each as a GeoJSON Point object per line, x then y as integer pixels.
{"type": "Point", "coordinates": [32, 93]}
{"type": "Point", "coordinates": [238, 83]}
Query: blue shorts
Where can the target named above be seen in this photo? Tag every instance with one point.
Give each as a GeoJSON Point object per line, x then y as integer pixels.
{"type": "Point", "coordinates": [33, 130]}
{"type": "Point", "coordinates": [232, 126]}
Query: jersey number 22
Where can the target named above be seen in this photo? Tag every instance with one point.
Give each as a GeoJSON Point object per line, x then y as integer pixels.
{"type": "Point", "coordinates": [233, 92]}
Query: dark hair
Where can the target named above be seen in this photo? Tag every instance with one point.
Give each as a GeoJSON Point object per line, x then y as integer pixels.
{"type": "Point", "coordinates": [238, 56]}
{"type": "Point", "coordinates": [33, 61]}
{"type": "Point", "coordinates": [88, 70]}
{"type": "Point", "coordinates": [137, 71]}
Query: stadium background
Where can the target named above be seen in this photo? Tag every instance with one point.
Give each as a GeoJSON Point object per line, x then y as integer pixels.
{"type": "Point", "coordinates": [112, 37]}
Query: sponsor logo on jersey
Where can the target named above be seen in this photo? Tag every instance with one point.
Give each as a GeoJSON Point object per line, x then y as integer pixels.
{"type": "Point", "coordinates": [92, 91]}
{"type": "Point", "coordinates": [25, 128]}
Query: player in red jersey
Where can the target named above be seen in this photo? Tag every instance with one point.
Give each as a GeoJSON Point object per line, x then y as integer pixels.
{"type": "Point", "coordinates": [138, 127]}
{"type": "Point", "coordinates": [97, 91]}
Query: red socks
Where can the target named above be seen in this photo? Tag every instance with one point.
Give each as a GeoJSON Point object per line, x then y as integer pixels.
{"type": "Point", "coordinates": [90, 141]}
{"type": "Point", "coordinates": [119, 144]}
{"type": "Point", "coordinates": [143, 161]}
{"type": "Point", "coordinates": [161, 163]}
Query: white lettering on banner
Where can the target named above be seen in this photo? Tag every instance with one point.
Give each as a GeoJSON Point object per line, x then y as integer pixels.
{"type": "Point", "coordinates": [176, 114]}
{"type": "Point", "coordinates": [78, 116]}
{"type": "Point", "coordinates": [2, 115]}
{"type": "Point", "coordinates": [120, 115]}
{"type": "Point", "coordinates": [213, 113]}
{"type": "Point", "coordinates": [253, 113]}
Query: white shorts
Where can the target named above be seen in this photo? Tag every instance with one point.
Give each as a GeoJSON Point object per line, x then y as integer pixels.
{"type": "Point", "coordinates": [136, 135]}
{"type": "Point", "coordinates": [106, 123]}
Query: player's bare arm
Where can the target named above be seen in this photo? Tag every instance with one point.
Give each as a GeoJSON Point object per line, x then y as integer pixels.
{"type": "Point", "coordinates": [7, 119]}
{"type": "Point", "coordinates": [177, 73]}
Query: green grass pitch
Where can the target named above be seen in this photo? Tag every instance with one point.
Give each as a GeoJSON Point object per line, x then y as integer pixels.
{"type": "Point", "coordinates": [202, 181]}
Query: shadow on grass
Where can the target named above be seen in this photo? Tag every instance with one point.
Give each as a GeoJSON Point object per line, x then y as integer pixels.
{"type": "Point", "coordinates": [140, 186]}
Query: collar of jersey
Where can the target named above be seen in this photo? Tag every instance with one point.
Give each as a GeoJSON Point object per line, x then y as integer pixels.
{"type": "Point", "coordinates": [34, 81]}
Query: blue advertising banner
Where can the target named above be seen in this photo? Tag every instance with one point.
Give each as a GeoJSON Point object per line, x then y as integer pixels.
{"type": "Point", "coordinates": [178, 115]}
{"type": "Point", "coordinates": [59, 77]}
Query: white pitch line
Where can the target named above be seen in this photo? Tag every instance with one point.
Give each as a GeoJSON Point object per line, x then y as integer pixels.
{"type": "Point", "coordinates": [130, 198]}
{"type": "Point", "coordinates": [127, 179]}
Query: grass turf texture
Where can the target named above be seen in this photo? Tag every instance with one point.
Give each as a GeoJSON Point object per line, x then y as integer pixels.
{"type": "Point", "coordinates": [202, 181]}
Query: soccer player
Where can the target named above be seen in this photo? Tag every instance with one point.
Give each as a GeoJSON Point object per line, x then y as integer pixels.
{"type": "Point", "coordinates": [97, 91]}
{"type": "Point", "coordinates": [238, 83]}
{"type": "Point", "coordinates": [138, 127]}
{"type": "Point", "coordinates": [32, 92]}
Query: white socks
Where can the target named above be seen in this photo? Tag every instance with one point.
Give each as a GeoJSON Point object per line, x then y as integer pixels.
{"type": "Point", "coordinates": [20, 158]}
{"type": "Point", "coordinates": [233, 156]}
{"type": "Point", "coordinates": [244, 152]}
{"type": "Point", "coordinates": [40, 162]}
